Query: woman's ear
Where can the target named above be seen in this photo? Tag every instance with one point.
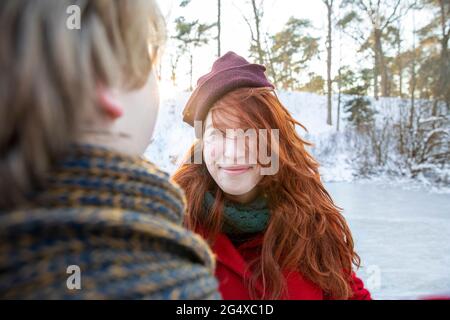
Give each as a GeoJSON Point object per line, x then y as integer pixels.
{"type": "Point", "coordinates": [108, 103]}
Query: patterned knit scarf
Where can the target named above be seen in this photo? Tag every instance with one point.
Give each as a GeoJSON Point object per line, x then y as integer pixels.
{"type": "Point", "coordinates": [242, 218]}
{"type": "Point", "coordinates": [118, 219]}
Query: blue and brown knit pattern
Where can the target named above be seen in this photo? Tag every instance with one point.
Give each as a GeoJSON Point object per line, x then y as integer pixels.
{"type": "Point", "coordinates": [116, 217]}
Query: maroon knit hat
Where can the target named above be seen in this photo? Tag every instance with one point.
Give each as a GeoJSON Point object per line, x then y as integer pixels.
{"type": "Point", "coordinates": [228, 73]}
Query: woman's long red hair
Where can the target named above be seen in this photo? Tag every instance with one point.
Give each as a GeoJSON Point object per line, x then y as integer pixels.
{"type": "Point", "coordinates": [307, 232]}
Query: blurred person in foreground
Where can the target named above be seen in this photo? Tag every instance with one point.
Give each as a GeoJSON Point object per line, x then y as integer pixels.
{"type": "Point", "coordinates": [78, 108]}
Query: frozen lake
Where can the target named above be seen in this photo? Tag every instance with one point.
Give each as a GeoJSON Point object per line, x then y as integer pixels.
{"type": "Point", "coordinates": [401, 235]}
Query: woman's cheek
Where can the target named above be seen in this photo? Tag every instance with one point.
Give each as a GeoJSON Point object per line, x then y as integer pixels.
{"type": "Point", "coordinates": [210, 153]}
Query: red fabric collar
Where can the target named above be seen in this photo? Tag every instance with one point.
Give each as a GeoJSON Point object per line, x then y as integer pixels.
{"type": "Point", "coordinates": [231, 256]}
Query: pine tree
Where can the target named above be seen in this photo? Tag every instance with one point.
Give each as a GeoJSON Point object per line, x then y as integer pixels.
{"type": "Point", "coordinates": [191, 34]}
{"type": "Point", "coordinates": [291, 50]}
{"type": "Point", "coordinates": [361, 115]}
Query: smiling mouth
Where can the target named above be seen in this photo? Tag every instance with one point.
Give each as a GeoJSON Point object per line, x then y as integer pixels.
{"type": "Point", "coordinates": [235, 170]}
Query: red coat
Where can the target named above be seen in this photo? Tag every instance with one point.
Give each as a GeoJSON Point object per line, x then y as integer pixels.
{"type": "Point", "coordinates": [232, 264]}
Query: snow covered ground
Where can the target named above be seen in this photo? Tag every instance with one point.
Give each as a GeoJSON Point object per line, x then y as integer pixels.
{"type": "Point", "coordinates": [401, 226]}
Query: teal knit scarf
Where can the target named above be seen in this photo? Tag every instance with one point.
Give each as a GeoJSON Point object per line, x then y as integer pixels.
{"type": "Point", "coordinates": [242, 218]}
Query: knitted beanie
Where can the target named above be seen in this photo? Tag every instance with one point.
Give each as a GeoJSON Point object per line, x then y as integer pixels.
{"type": "Point", "coordinates": [228, 73]}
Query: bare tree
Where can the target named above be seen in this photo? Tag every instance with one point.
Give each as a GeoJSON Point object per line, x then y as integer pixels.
{"type": "Point", "coordinates": [258, 14]}
{"type": "Point", "coordinates": [174, 59]}
{"type": "Point", "coordinates": [191, 35]}
{"type": "Point", "coordinates": [442, 87]}
{"type": "Point", "coordinates": [254, 25]}
{"type": "Point", "coordinates": [219, 26]}
{"type": "Point", "coordinates": [185, 3]}
{"type": "Point", "coordinates": [413, 76]}
{"type": "Point", "coordinates": [339, 83]}
{"type": "Point", "coordinates": [329, 5]}
{"type": "Point", "coordinates": [381, 14]}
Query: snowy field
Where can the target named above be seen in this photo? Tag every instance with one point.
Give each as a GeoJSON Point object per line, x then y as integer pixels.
{"type": "Point", "coordinates": [401, 227]}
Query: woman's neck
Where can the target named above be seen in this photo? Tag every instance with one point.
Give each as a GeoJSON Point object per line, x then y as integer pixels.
{"type": "Point", "coordinates": [244, 198]}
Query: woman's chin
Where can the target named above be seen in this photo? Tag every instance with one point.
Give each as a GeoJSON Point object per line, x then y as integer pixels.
{"type": "Point", "coordinates": [231, 189]}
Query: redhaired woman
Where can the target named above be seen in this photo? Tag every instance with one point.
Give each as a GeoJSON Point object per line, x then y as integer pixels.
{"type": "Point", "coordinates": [276, 233]}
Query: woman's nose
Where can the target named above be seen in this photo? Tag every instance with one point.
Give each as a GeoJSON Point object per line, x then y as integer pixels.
{"type": "Point", "coordinates": [229, 148]}
{"type": "Point", "coordinates": [234, 150]}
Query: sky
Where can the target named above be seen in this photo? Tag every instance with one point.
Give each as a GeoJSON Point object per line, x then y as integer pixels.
{"type": "Point", "coordinates": [236, 35]}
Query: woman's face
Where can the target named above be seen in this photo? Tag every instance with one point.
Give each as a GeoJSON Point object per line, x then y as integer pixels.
{"type": "Point", "coordinates": [230, 161]}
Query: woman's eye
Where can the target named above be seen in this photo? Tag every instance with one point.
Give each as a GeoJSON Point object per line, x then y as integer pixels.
{"type": "Point", "coordinates": [213, 135]}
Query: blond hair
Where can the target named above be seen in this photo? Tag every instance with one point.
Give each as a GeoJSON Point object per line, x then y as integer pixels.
{"type": "Point", "coordinates": [50, 73]}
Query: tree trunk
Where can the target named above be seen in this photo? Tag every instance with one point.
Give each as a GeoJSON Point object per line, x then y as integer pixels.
{"type": "Point", "coordinates": [442, 91]}
{"type": "Point", "coordinates": [382, 67]}
{"type": "Point", "coordinates": [329, 4]}
{"type": "Point", "coordinates": [218, 27]}
{"type": "Point", "coordinates": [338, 116]}
{"type": "Point", "coordinates": [173, 71]}
{"type": "Point", "coordinates": [190, 72]}
{"type": "Point", "coordinates": [375, 75]}
{"type": "Point", "coordinates": [271, 70]}
{"type": "Point", "coordinates": [413, 78]}
{"type": "Point", "coordinates": [413, 92]}
{"type": "Point", "coordinates": [400, 63]}
{"type": "Point", "coordinates": [256, 13]}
